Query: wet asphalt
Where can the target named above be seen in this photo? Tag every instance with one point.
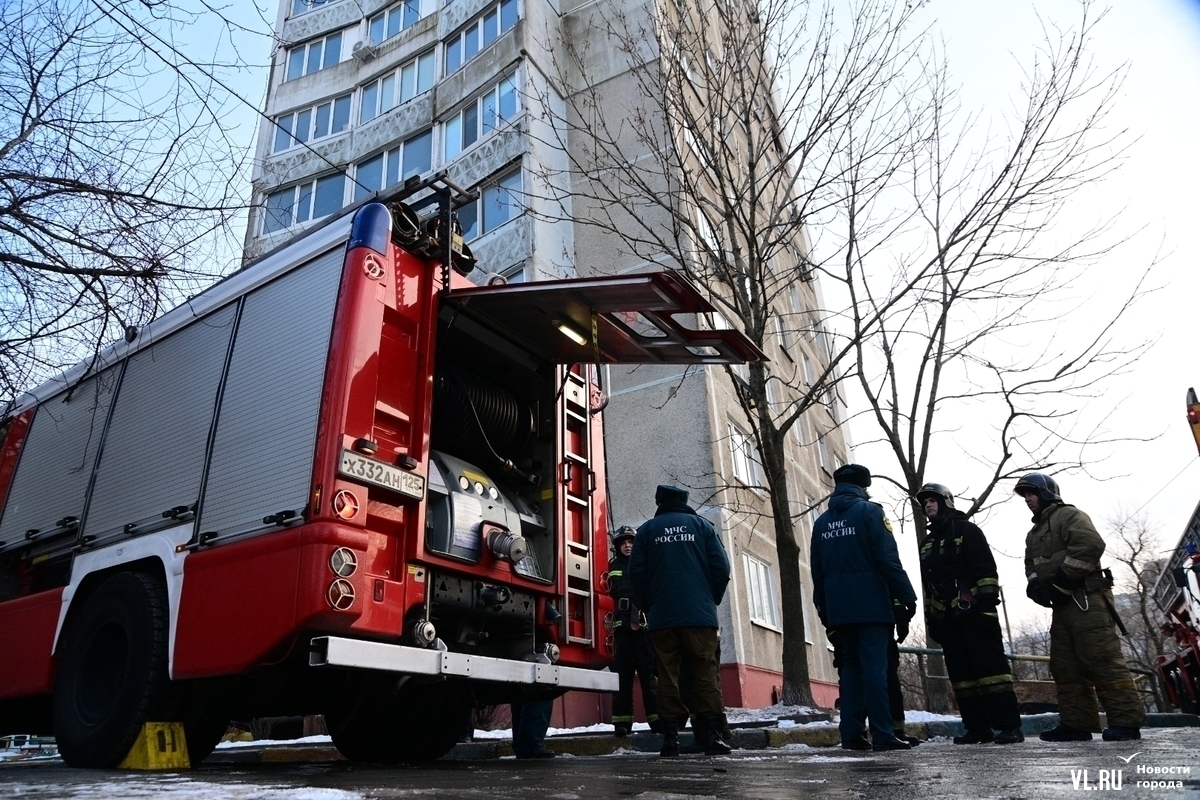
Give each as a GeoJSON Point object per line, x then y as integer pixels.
{"type": "Point", "coordinates": [935, 770]}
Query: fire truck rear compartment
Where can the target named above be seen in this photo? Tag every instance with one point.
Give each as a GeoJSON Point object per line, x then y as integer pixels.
{"type": "Point", "coordinates": [489, 504]}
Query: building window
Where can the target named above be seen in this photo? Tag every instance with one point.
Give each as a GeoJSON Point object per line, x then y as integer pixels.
{"type": "Point", "coordinates": [823, 451]}
{"type": "Point", "coordinates": [806, 606]}
{"type": "Point", "coordinates": [486, 28]}
{"type": "Point", "coordinates": [482, 116]}
{"type": "Point", "coordinates": [307, 201]}
{"type": "Point", "coordinates": [497, 204]}
{"type": "Point", "coordinates": [760, 586]}
{"type": "Point", "coordinates": [391, 21]}
{"type": "Point", "coordinates": [302, 6]}
{"type": "Point", "coordinates": [311, 124]}
{"type": "Point", "coordinates": [809, 377]}
{"type": "Point", "coordinates": [745, 466]}
{"type": "Point", "coordinates": [413, 157]}
{"type": "Point", "coordinates": [814, 513]}
{"type": "Point", "coordinates": [781, 335]}
{"type": "Point", "coordinates": [314, 56]}
{"type": "Point", "coordinates": [400, 86]}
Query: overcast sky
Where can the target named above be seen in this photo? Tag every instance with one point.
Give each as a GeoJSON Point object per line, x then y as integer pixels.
{"type": "Point", "coordinates": [1156, 196]}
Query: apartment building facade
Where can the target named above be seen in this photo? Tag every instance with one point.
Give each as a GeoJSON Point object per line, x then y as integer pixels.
{"type": "Point", "coordinates": [365, 94]}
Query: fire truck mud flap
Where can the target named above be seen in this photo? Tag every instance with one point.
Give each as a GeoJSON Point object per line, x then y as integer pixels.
{"type": "Point", "coordinates": [333, 651]}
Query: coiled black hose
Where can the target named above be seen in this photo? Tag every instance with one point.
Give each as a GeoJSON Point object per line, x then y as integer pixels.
{"type": "Point", "coordinates": [474, 416]}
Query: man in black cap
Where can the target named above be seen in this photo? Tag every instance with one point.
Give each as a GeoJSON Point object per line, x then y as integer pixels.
{"type": "Point", "coordinates": [680, 570]}
{"type": "Point", "coordinates": [632, 653]}
{"type": "Point", "coordinates": [856, 576]}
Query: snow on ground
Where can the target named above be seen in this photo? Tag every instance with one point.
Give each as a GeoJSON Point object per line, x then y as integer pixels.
{"type": "Point", "coordinates": [323, 739]}
{"type": "Point", "coordinates": [735, 715]}
{"type": "Point", "coordinates": [173, 787]}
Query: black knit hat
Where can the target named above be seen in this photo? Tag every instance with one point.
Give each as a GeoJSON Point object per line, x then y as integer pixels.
{"type": "Point", "coordinates": [856, 474]}
{"type": "Point", "coordinates": [670, 495]}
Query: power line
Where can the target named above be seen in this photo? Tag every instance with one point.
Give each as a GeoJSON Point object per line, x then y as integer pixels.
{"type": "Point", "coordinates": [109, 9]}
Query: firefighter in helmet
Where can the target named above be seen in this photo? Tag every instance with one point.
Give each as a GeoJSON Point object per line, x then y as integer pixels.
{"type": "Point", "coordinates": [632, 650]}
{"type": "Point", "coordinates": [1062, 563]}
{"type": "Point", "coordinates": [962, 592]}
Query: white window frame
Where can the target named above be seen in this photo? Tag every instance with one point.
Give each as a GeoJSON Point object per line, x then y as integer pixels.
{"type": "Point", "coordinates": [303, 207]}
{"type": "Point", "coordinates": [396, 11]}
{"type": "Point", "coordinates": [746, 468]}
{"type": "Point", "coordinates": [781, 335]}
{"type": "Point", "coordinates": [395, 88]}
{"type": "Point", "coordinates": [480, 33]}
{"type": "Point", "coordinates": [492, 195]}
{"type": "Point", "coordinates": [760, 593]}
{"type": "Point", "coordinates": [288, 124]}
{"type": "Point", "coordinates": [805, 606]}
{"type": "Point", "coordinates": [485, 121]}
{"type": "Point", "coordinates": [305, 51]}
{"type": "Point", "coordinates": [823, 452]}
{"type": "Point", "coordinates": [814, 512]}
{"type": "Point", "coordinates": [304, 6]}
{"type": "Point", "coordinates": [392, 154]}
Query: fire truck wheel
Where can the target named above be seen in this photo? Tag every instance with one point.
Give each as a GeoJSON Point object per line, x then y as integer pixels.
{"type": "Point", "coordinates": [418, 722]}
{"type": "Point", "coordinates": [112, 673]}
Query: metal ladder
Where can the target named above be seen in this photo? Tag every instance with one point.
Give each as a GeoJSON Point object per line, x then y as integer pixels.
{"type": "Point", "coordinates": [577, 482]}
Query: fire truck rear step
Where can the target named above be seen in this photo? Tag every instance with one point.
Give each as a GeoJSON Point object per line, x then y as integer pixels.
{"type": "Point", "coordinates": [335, 651]}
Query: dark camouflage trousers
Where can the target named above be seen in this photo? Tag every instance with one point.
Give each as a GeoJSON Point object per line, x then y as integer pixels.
{"type": "Point", "coordinates": [1086, 662]}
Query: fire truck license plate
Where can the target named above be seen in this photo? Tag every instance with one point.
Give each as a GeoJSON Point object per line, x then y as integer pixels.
{"type": "Point", "coordinates": [376, 473]}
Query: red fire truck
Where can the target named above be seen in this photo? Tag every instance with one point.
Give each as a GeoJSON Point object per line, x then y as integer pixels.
{"type": "Point", "coordinates": [345, 480]}
{"type": "Point", "coordinates": [1178, 595]}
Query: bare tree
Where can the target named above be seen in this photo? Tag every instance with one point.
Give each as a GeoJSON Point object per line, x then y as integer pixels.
{"type": "Point", "coordinates": [119, 175]}
{"type": "Point", "coordinates": [754, 146]}
{"type": "Point", "coordinates": [1141, 557]}
{"type": "Point", "coordinates": [708, 142]}
{"type": "Point", "coordinates": [995, 332]}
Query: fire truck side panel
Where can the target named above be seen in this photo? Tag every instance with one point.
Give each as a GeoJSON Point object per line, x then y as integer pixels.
{"type": "Point", "coordinates": [55, 467]}
{"type": "Point", "coordinates": [31, 622]}
{"type": "Point", "coordinates": [238, 604]}
{"type": "Point", "coordinates": [262, 455]}
{"type": "Point", "coordinates": [154, 451]}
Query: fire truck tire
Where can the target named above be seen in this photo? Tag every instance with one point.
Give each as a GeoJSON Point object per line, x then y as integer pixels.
{"type": "Point", "coordinates": [413, 724]}
{"type": "Point", "coordinates": [112, 673]}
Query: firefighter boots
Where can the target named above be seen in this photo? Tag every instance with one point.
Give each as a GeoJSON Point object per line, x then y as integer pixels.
{"type": "Point", "coordinates": [670, 745]}
{"type": "Point", "coordinates": [1010, 736]}
{"type": "Point", "coordinates": [1120, 733]}
{"type": "Point", "coordinates": [976, 737]}
{"type": "Point", "coordinates": [1065, 733]}
{"type": "Point", "coordinates": [714, 745]}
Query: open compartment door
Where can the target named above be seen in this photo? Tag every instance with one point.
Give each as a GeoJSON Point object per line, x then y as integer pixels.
{"type": "Point", "coordinates": [628, 319]}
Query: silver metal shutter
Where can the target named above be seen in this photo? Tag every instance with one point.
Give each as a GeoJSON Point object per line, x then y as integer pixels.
{"type": "Point", "coordinates": [56, 461]}
{"type": "Point", "coordinates": [266, 431]}
{"type": "Point", "coordinates": [154, 452]}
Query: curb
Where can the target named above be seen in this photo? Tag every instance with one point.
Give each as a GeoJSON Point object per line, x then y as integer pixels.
{"type": "Point", "coordinates": [603, 744]}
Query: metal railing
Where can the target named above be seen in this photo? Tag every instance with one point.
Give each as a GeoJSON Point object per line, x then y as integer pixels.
{"type": "Point", "coordinates": [1142, 678]}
